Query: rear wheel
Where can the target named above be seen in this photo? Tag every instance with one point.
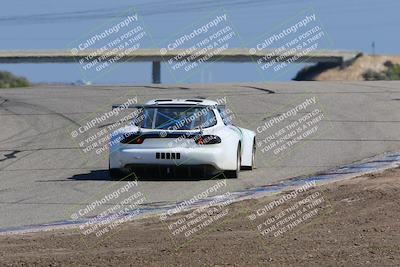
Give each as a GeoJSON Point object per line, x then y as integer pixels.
{"type": "Point", "coordinates": [253, 158]}
{"type": "Point", "coordinates": [235, 173]}
{"type": "Point", "coordinates": [115, 174]}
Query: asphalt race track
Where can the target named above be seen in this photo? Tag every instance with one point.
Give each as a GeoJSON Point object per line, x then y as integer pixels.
{"type": "Point", "coordinates": [45, 177]}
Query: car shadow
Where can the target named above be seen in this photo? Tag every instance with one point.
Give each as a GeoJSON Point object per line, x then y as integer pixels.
{"type": "Point", "coordinates": [104, 175]}
{"type": "Point", "coordinates": [97, 175]}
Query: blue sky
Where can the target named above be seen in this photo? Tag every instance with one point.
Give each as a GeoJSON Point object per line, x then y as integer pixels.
{"type": "Point", "coordinates": [49, 24]}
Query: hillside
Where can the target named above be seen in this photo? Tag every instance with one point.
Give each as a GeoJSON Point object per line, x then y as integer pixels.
{"type": "Point", "coordinates": [362, 68]}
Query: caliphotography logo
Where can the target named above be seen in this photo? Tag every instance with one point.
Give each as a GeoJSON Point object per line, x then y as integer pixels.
{"type": "Point", "coordinates": [117, 40]}
{"type": "Point", "coordinates": [208, 40]}
{"type": "Point", "coordinates": [200, 213]}
{"type": "Point", "coordinates": [289, 212]}
{"type": "Point", "coordinates": [290, 128]}
{"type": "Point", "coordinates": [96, 134]}
{"type": "Point", "coordinates": [297, 40]}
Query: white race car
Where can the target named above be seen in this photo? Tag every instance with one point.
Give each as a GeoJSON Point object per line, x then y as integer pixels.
{"type": "Point", "coordinates": [181, 137]}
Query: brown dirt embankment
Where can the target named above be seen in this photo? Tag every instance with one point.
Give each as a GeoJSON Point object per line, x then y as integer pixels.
{"type": "Point", "coordinates": [352, 71]}
{"type": "Point", "coordinates": [358, 225]}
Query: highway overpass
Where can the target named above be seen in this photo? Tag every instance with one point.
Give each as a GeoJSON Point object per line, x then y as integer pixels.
{"type": "Point", "coordinates": [156, 56]}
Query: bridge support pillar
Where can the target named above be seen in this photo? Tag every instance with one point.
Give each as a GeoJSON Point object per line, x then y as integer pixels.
{"type": "Point", "coordinates": [156, 72]}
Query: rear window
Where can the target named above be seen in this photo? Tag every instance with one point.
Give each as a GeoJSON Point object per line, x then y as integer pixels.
{"type": "Point", "coordinates": [224, 115]}
{"type": "Point", "coordinates": [176, 118]}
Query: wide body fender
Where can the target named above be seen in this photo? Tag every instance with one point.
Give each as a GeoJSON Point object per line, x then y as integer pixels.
{"type": "Point", "coordinates": [247, 144]}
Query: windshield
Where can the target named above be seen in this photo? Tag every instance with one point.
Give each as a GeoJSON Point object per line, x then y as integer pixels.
{"type": "Point", "coordinates": [175, 118]}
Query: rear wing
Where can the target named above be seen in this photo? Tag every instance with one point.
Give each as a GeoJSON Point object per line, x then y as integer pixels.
{"type": "Point", "coordinates": [122, 106]}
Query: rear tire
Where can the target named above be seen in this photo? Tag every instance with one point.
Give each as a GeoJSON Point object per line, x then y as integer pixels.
{"type": "Point", "coordinates": [235, 173]}
{"type": "Point", "coordinates": [116, 174]}
{"type": "Point", "coordinates": [253, 159]}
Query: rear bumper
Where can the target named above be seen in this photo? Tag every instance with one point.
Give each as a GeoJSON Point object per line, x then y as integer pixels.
{"type": "Point", "coordinates": [175, 157]}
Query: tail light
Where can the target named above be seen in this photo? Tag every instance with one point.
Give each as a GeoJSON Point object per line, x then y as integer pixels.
{"type": "Point", "coordinates": [207, 140]}
{"type": "Point", "coordinates": [136, 139]}
{"type": "Point", "coordinates": [133, 139]}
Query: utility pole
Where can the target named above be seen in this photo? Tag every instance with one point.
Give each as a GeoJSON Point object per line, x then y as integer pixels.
{"type": "Point", "coordinates": [373, 48]}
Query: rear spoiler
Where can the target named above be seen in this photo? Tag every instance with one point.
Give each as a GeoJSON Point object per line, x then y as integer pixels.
{"type": "Point", "coordinates": [122, 106]}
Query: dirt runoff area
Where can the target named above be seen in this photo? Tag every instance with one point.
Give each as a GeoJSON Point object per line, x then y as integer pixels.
{"type": "Point", "coordinates": [354, 222]}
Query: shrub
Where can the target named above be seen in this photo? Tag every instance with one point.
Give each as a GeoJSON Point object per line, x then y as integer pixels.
{"type": "Point", "coordinates": [8, 80]}
{"type": "Point", "coordinates": [392, 72]}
